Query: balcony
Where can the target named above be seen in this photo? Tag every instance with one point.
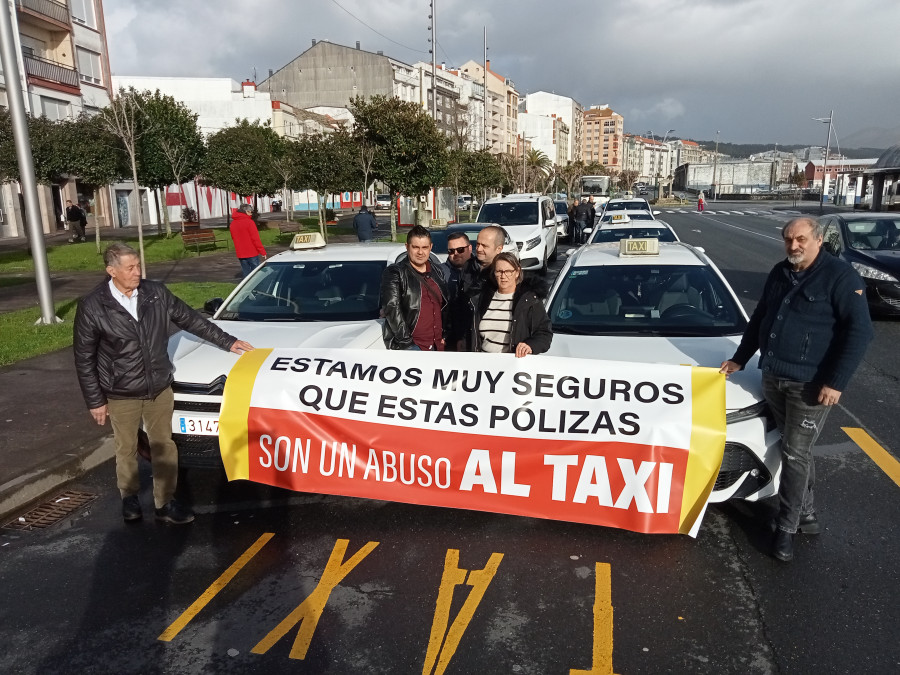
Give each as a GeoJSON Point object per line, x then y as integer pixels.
{"type": "Point", "coordinates": [50, 71]}
{"type": "Point", "coordinates": [56, 12]}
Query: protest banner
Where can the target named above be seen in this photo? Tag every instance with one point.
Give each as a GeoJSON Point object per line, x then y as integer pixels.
{"type": "Point", "coordinates": [629, 445]}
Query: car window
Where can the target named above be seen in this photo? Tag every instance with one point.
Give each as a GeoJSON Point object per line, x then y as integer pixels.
{"type": "Point", "coordinates": [509, 213]}
{"type": "Point", "coordinates": [873, 234]}
{"type": "Point", "coordinates": [613, 234]}
{"type": "Point", "coordinates": [644, 299]}
{"type": "Point", "coordinates": [309, 291]}
{"type": "Point", "coordinates": [562, 207]}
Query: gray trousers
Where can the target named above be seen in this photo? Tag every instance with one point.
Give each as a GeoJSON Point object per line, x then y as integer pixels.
{"type": "Point", "coordinates": [800, 418]}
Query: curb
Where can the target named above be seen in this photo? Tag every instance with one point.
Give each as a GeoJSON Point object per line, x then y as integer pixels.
{"type": "Point", "coordinates": [22, 490]}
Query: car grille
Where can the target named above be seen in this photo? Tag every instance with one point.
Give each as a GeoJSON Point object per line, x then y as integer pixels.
{"type": "Point", "coordinates": [737, 461]}
{"type": "Point", "coordinates": [198, 406]}
{"type": "Point", "coordinates": [198, 451]}
{"type": "Point", "coordinates": [214, 388]}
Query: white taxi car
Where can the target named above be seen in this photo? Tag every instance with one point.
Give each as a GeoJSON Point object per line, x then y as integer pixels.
{"type": "Point", "coordinates": [617, 225]}
{"type": "Point", "coordinates": [649, 301]}
{"type": "Point", "coordinates": [310, 296]}
{"type": "Point", "coordinates": [530, 220]}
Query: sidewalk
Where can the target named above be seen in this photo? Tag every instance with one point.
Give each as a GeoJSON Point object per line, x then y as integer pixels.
{"type": "Point", "coordinates": [47, 437]}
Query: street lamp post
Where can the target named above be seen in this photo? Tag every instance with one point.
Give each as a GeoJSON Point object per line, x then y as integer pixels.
{"type": "Point", "coordinates": [670, 131]}
{"type": "Point", "coordinates": [825, 161]}
{"type": "Point", "coordinates": [715, 190]}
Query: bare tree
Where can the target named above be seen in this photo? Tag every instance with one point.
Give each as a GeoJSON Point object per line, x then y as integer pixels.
{"type": "Point", "coordinates": [123, 118]}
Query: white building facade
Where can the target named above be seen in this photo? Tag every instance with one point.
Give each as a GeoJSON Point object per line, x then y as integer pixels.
{"type": "Point", "coordinates": [548, 134]}
{"type": "Point", "coordinates": [570, 111]}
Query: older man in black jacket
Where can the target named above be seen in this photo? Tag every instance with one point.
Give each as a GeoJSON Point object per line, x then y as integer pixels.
{"type": "Point", "coordinates": [414, 298]}
{"type": "Point", "coordinates": [811, 328]}
{"type": "Point", "coordinates": [121, 335]}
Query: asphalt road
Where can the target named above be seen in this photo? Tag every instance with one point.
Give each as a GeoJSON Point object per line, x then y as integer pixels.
{"type": "Point", "coordinates": [94, 595]}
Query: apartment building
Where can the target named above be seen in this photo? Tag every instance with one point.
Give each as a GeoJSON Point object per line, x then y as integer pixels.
{"type": "Point", "coordinates": [567, 109]}
{"type": "Point", "coordinates": [547, 133]}
{"type": "Point", "coordinates": [603, 137]}
{"type": "Point", "coordinates": [649, 158]}
{"type": "Point", "coordinates": [502, 102]}
{"type": "Point", "coordinates": [63, 68]}
{"type": "Point", "coordinates": [470, 114]}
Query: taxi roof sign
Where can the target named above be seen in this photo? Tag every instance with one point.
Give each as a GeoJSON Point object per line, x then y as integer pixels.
{"type": "Point", "coordinates": [620, 218]}
{"type": "Point", "coordinates": [628, 247]}
{"type": "Point", "coordinates": [307, 240]}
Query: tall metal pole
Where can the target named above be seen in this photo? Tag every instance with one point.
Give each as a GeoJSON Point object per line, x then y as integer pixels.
{"type": "Point", "coordinates": [27, 179]}
{"type": "Point", "coordinates": [484, 108]}
{"type": "Point", "coordinates": [434, 60]}
{"type": "Point", "coordinates": [825, 164]}
{"type": "Point", "coordinates": [715, 166]}
{"type": "Point", "coordinates": [524, 185]}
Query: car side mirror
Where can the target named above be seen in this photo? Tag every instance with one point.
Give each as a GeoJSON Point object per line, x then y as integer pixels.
{"type": "Point", "coordinates": [656, 213]}
{"type": "Point", "coordinates": [550, 222]}
{"type": "Point", "coordinates": [212, 306]}
{"type": "Point", "coordinates": [587, 230]}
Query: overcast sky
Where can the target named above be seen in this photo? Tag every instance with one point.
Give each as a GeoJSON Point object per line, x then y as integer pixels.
{"type": "Point", "coordinates": [756, 70]}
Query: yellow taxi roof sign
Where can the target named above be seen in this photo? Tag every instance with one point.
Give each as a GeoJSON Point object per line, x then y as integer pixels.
{"type": "Point", "coordinates": [620, 218]}
{"type": "Point", "coordinates": [648, 246]}
{"type": "Point", "coordinates": [307, 240]}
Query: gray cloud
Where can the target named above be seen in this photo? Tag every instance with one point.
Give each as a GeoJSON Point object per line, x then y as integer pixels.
{"type": "Point", "coordinates": [757, 70]}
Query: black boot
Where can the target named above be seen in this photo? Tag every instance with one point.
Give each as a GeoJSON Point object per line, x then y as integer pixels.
{"type": "Point", "coordinates": [783, 546]}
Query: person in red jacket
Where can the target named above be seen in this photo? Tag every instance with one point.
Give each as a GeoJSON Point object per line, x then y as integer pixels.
{"type": "Point", "coordinates": [245, 235]}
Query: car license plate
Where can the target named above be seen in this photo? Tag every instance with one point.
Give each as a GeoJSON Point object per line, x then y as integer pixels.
{"type": "Point", "coordinates": [197, 426]}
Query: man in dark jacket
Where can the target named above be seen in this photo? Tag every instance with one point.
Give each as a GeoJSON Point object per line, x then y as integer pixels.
{"type": "Point", "coordinates": [583, 219]}
{"type": "Point", "coordinates": [121, 334]}
{"type": "Point", "coordinates": [474, 274]}
{"type": "Point", "coordinates": [414, 298]}
{"type": "Point", "coordinates": [811, 328]}
{"type": "Point", "coordinates": [364, 224]}
{"type": "Point", "coordinates": [77, 221]}
{"type": "Point", "coordinates": [459, 253]}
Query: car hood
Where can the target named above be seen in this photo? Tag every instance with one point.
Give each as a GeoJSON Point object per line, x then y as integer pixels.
{"type": "Point", "coordinates": [199, 361]}
{"type": "Point", "coordinates": [742, 389]}
{"type": "Point", "coordinates": [522, 232]}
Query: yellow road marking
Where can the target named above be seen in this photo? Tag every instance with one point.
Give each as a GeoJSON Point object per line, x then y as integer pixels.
{"type": "Point", "coordinates": [216, 586]}
{"type": "Point", "coordinates": [309, 611]}
{"type": "Point", "coordinates": [601, 662]}
{"type": "Point", "coordinates": [438, 655]}
{"type": "Point", "coordinates": [885, 460]}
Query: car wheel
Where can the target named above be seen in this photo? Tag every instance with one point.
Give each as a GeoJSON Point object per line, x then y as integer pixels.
{"type": "Point", "coordinates": [555, 252]}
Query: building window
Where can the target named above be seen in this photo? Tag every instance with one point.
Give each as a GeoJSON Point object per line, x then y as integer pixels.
{"type": "Point", "coordinates": [89, 66]}
{"type": "Point", "coordinates": [83, 12]}
{"type": "Point", "coordinates": [54, 109]}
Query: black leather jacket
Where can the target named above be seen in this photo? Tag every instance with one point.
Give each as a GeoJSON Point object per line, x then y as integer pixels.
{"type": "Point", "coordinates": [401, 299]}
{"type": "Point", "coordinates": [117, 357]}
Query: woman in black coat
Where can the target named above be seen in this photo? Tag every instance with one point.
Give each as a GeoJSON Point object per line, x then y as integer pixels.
{"type": "Point", "coordinates": [509, 315]}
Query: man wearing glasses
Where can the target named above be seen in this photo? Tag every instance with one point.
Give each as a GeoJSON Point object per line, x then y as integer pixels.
{"type": "Point", "coordinates": [474, 274]}
{"type": "Point", "coordinates": [459, 253]}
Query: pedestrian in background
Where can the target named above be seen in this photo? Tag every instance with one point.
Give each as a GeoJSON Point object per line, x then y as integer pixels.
{"type": "Point", "coordinates": [120, 338]}
{"type": "Point", "coordinates": [582, 217]}
{"type": "Point", "coordinates": [414, 298]}
{"type": "Point", "coordinates": [245, 235]}
{"type": "Point", "coordinates": [364, 224]}
{"type": "Point", "coordinates": [77, 221]}
{"type": "Point", "coordinates": [459, 253]}
{"type": "Point", "coordinates": [509, 315]}
{"type": "Point", "coordinates": [593, 214]}
{"type": "Point", "coordinates": [701, 202]}
{"type": "Point", "coordinates": [811, 328]}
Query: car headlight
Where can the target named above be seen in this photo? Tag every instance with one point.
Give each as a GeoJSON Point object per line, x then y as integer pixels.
{"type": "Point", "coordinates": [755, 410]}
{"type": "Point", "coordinates": [868, 272]}
{"type": "Point", "coordinates": [531, 243]}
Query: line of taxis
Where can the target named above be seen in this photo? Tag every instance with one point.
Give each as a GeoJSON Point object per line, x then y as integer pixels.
{"type": "Point", "coordinates": [646, 299]}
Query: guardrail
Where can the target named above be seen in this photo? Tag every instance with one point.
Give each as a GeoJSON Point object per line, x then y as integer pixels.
{"type": "Point", "coordinates": [50, 70]}
{"type": "Point", "coordinates": [58, 11]}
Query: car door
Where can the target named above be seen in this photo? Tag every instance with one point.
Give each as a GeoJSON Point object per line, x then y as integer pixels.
{"type": "Point", "coordinates": [548, 214]}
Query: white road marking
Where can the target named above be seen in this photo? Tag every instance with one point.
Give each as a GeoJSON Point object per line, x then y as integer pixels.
{"type": "Point", "coordinates": [737, 213]}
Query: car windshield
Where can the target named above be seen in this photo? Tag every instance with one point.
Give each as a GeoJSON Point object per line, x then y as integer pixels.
{"type": "Point", "coordinates": [309, 291]}
{"type": "Point", "coordinates": [878, 234]}
{"type": "Point", "coordinates": [509, 213]}
{"type": "Point", "coordinates": [637, 205]}
{"type": "Point", "coordinates": [664, 300]}
{"type": "Point", "coordinates": [613, 234]}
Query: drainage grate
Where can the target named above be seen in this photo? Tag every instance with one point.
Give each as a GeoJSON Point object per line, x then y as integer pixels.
{"type": "Point", "coordinates": [52, 511]}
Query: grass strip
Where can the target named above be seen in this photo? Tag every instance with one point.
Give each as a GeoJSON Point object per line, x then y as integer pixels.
{"type": "Point", "coordinates": [22, 339]}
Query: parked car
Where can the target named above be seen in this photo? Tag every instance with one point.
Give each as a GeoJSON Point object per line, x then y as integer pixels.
{"type": "Point", "coordinates": [563, 227]}
{"type": "Point", "coordinates": [439, 238]}
{"type": "Point", "coordinates": [618, 225]}
{"type": "Point", "coordinates": [870, 242]}
{"type": "Point", "coordinates": [673, 306]}
{"type": "Point", "coordinates": [530, 220]}
{"type": "Point", "coordinates": [382, 201]}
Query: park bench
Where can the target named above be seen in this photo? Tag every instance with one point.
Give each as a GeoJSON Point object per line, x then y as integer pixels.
{"type": "Point", "coordinates": [201, 237]}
